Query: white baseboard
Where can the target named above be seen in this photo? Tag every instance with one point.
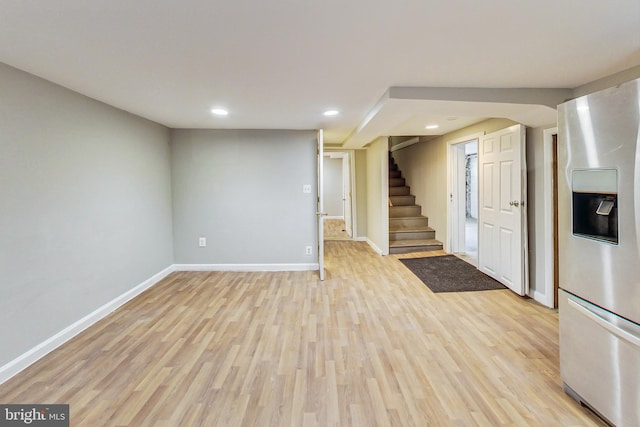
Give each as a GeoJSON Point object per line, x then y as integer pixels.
{"type": "Point", "coordinates": [374, 246]}
{"type": "Point", "coordinates": [246, 267]}
{"type": "Point", "coordinates": [360, 239]}
{"type": "Point", "coordinates": [334, 217]}
{"type": "Point", "coordinates": [23, 361]}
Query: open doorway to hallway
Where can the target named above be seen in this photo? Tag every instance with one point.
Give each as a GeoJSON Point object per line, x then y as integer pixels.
{"type": "Point", "coordinates": [464, 200]}
{"type": "Point", "coordinates": [338, 224]}
{"type": "Point", "coordinates": [335, 229]}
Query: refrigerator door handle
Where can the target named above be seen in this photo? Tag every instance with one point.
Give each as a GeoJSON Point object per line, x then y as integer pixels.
{"type": "Point", "coordinates": [619, 332]}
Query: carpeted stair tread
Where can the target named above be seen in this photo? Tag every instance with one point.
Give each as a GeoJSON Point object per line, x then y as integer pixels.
{"type": "Point", "coordinates": [408, 246]}
{"type": "Point", "coordinates": [411, 217]}
{"type": "Point", "coordinates": [405, 243]}
{"type": "Point", "coordinates": [409, 229]}
{"type": "Point", "coordinates": [408, 221]}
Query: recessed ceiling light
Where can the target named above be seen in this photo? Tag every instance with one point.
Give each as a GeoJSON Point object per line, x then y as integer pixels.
{"type": "Point", "coordinates": [434, 126]}
{"type": "Point", "coordinates": [219, 111]}
{"type": "Point", "coordinates": [331, 113]}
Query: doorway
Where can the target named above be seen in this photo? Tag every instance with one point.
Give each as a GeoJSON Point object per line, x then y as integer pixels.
{"type": "Point", "coordinates": [463, 199]}
{"type": "Point", "coordinates": [549, 294]}
{"type": "Point", "coordinates": [338, 196]}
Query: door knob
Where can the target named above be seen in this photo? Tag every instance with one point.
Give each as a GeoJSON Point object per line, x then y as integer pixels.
{"type": "Point", "coordinates": [514, 203]}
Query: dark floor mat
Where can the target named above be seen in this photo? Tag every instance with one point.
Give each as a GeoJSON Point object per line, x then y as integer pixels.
{"type": "Point", "coordinates": [449, 273]}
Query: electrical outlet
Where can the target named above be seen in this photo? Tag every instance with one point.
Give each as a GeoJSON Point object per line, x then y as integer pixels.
{"type": "Point", "coordinates": [309, 250]}
{"type": "Point", "coordinates": [202, 242]}
{"type": "Point", "coordinates": [306, 188]}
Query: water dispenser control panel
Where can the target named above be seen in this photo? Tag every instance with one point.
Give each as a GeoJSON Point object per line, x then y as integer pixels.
{"type": "Point", "coordinates": [595, 204]}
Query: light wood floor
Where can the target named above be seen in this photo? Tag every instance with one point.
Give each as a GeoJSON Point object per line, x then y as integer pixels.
{"type": "Point", "coordinates": [334, 229]}
{"type": "Point", "coordinates": [369, 346]}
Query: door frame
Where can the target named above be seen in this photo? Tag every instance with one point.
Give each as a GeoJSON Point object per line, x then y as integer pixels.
{"type": "Point", "coordinates": [455, 236]}
{"type": "Point", "coordinates": [548, 298]}
{"type": "Point", "coordinates": [348, 162]}
{"type": "Point", "coordinates": [347, 200]}
{"type": "Point", "coordinates": [320, 213]}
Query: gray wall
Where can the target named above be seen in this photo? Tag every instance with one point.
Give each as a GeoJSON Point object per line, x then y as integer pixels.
{"type": "Point", "coordinates": [607, 82]}
{"type": "Point", "coordinates": [333, 191]}
{"type": "Point", "coordinates": [242, 190]}
{"type": "Point", "coordinates": [85, 212]}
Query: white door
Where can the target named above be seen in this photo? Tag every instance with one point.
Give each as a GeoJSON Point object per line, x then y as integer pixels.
{"type": "Point", "coordinates": [346, 193]}
{"type": "Point", "coordinates": [320, 212]}
{"type": "Point", "coordinates": [502, 214]}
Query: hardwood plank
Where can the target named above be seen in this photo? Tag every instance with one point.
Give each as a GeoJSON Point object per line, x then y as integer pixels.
{"type": "Point", "coordinates": [371, 345]}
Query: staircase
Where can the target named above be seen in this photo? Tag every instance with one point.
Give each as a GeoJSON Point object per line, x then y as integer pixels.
{"type": "Point", "coordinates": [409, 231]}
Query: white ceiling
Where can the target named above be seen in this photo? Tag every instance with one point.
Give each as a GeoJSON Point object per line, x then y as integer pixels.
{"type": "Point", "coordinates": [281, 63]}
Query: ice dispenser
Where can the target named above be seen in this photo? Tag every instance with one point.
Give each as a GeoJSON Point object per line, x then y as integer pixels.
{"type": "Point", "coordinates": [595, 204]}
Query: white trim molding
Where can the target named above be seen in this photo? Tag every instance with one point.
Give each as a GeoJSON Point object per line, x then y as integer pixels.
{"type": "Point", "coordinates": [405, 144]}
{"type": "Point", "coordinates": [374, 247]}
{"type": "Point", "coordinates": [547, 298]}
{"type": "Point", "coordinates": [36, 353]}
{"type": "Point", "coordinates": [247, 267]}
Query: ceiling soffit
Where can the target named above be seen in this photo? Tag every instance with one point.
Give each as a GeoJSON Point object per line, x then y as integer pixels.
{"type": "Point", "coordinates": [531, 107]}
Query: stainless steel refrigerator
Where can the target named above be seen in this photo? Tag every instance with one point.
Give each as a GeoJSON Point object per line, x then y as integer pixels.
{"type": "Point", "coordinates": [599, 251]}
